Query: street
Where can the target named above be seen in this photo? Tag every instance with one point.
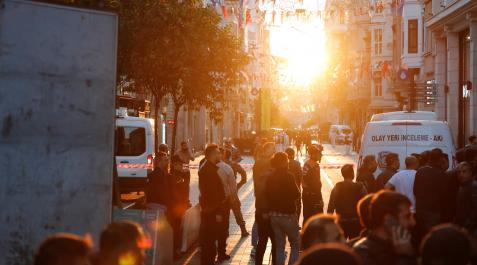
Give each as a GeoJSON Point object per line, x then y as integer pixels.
{"type": "Point", "coordinates": [239, 248]}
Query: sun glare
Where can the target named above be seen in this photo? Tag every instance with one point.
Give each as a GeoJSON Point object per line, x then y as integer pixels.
{"type": "Point", "coordinates": [301, 47]}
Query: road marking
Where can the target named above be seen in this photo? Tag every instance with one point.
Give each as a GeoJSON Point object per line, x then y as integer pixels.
{"type": "Point", "coordinates": [327, 178]}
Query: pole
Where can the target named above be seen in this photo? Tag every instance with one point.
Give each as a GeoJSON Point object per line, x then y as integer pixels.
{"type": "Point", "coordinates": [412, 92]}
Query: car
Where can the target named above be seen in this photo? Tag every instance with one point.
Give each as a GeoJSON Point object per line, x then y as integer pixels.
{"type": "Point", "coordinates": [134, 152]}
{"type": "Point", "coordinates": [340, 134]}
{"type": "Point", "coordinates": [405, 137]}
{"type": "Point", "coordinates": [405, 115]}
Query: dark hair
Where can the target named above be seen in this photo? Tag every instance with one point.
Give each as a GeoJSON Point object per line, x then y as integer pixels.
{"type": "Point", "coordinates": [313, 150]}
{"type": "Point", "coordinates": [446, 245]}
{"type": "Point", "coordinates": [390, 158]}
{"type": "Point", "coordinates": [368, 159]}
{"type": "Point", "coordinates": [183, 142]}
{"type": "Point", "coordinates": [424, 158]}
{"type": "Point", "coordinates": [314, 230]}
{"type": "Point", "coordinates": [119, 237]}
{"type": "Point", "coordinates": [329, 253]}
{"type": "Point", "coordinates": [163, 148]}
{"type": "Point", "coordinates": [279, 160]}
{"type": "Point", "coordinates": [460, 155]}
{"type": "Point", "coordinates": [470, 153]}
{"type": "Point", "coordinates": [363, 210]}
{"type": "Point", "coordinates": [435, 156]}
{"type": "Point", "coordinates": [290, 152]}
{"type": "Point", "coordinates": [347, 171]}
{"type": "Point", "coordinates": [472, 138]}
{"type": "Point", "coordinates": [210, 149]}
{"type": "Point", "coordinates": [384, 203]}
{"type": "Point", "coordinates": [410, 160]}
{"type": "Point", "coordinates": [61, 249]}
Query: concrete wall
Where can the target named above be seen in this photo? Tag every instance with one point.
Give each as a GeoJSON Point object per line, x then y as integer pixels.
{"type": "Point", "coordinates": [57, 88]}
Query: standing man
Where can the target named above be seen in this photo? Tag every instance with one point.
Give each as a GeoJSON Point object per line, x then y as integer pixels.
{"type": "Point", "coordinates": [312, 198]}
{"type": "Point", "coordinates": [186, 156]}
{"type": "Point", "coordinates": [294, 167]}
{"type": "Point", "coordinates": [366, 173]}
{"type": "Point", "coordinates": [179, 203]}
{"type": "Point", "coordinates": [392, 166]}
{"type": "Point", "coordinates": [158, 192]}
{"type": "Point", "coordinates": [213, 204]}
{"type": "Point", "coordinates": [344, 198]}
{"type": "Point", "coordinates": [403, 181]}
{"type": "Point", "coordinates": [233, 158]}
{"type": "Point", "coordinates": [466, 211]}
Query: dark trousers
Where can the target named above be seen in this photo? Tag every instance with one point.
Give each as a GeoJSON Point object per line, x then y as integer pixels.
{"type": "Point", "coordinates": [265, 232]}
{"type": "Point", "coordinates": [224, 233]}
{"type": "Point", "coordinates": [351, 227]}
{"type": "Point", "coordinates": [186, 176]}
{"type": "Point", "coordinates": [209, 234]}
{"type": "Point", "coordinates": [312, 204]}
{"type": "Point", "coordinates": [176, 222]}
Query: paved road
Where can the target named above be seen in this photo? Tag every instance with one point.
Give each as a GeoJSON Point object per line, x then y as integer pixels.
{"type": "Point", "coordinates": [238, 247]}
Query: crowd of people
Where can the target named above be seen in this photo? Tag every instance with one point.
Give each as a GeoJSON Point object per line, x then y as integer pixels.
{"type": "Point", "coordinates": [425, 214]}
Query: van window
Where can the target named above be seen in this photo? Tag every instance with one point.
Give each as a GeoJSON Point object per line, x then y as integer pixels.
{"type": "Point", "coordinates": [131, 141]}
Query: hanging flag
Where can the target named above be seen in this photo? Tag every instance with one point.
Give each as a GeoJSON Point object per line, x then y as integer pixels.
{"type": "Point", "coordinates": [248, 17]}
{"type": "Point", "coordinates": [224, 11]}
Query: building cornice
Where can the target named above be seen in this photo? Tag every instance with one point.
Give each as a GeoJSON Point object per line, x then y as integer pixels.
{"type": "Point", "coordinates": [449, 14]}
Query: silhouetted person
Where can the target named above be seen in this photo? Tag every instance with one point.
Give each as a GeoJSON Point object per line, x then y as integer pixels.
{"type": "Point", "coordinates": [389, 241]}
{"type": "Point", "coordinates": [158, 192]}
{"type": "Point", "coordinates": [392, 166]}
{"type": "Point", "coordinates": [466, 211]}
{"type": "Point", "coordinates": [320, 229]}
{"type": "Point", "coordinates": [294, 167]}
{"type": "Point", "coordinates": [63, 249]}
{"type": "Point", "coordinates": [179, 202]}
{"type": "Point", "coordinates": [330, 254]}
{"type": "Point", "coordinates": [364, 218]}
{"type": "Point", "coordinates": [186, 156]}
{"type": "Point", "coordinates": [343, 200]}
{"type": "Point", "coordinates": [366, 173]}
{"type": "Point", "coordinates": [312, 198]}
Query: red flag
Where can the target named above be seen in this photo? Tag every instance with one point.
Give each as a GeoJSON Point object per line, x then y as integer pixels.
{"type": "Point", "coordinates": [248, 17]}
{"type": "Point", "coordinates": [224, 11]}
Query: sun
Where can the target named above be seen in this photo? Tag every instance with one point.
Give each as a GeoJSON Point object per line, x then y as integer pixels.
{"type": "Point", "coordinates": [301, 46]}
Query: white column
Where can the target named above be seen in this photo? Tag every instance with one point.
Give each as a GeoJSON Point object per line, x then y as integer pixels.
{"type": "Point", "coordinates": [453, 82]}
{"type": "Point", "coordinates": [473, 75]}
{"type": "Point", "coordinates": [440, 75]}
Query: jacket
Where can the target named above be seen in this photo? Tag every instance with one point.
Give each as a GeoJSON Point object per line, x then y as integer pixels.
{"type": "Point", "coordinates": [212, 193]}
{"type": "Point", "coordinates": [367, 178]}
{"type": "Point", "coordinates": [311, 178]}
{"type": "Point", "coordinates": [281, 192]}
{"type": "Point", "coordinates": [376, 251]}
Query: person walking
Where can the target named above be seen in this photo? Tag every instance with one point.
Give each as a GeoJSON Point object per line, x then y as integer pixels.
{"type": "Point", "coordinates": [186, 157]}
{"type": "Point", "coordinates": [213, 204]}
{"type": "Point", "coordinates": [392, 166]}
{"type": "Point", "coordinates": [403, 181]}
{"type": "Point", "coordinates": [312, 198]}
{"type": "Point", "coordinates": [295, 169]}
{"type": "Point", "coordinates": [366, 173]}
{"type": "Point", "coordinates": [343, 200]}
{"type": "Point", "coordinates": [281, 195]}
{"type": "Point", "coordinates": [261, 170]}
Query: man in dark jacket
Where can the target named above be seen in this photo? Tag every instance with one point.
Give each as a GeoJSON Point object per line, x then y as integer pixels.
{"type": "Point", "coordinates": [213, 204]}
{"type": "Point", "coordinates": [294, 167]}
{"type": "Point", "coordinates": [281, 194]}
{"type": "Point", "coordinates": [344, 198]}
{"type": "Point", "coordinates": [366, 173]}
{"type": "Point", "coordinates": [466, 211]}
{"type": "Point", "coordinates": [158, 192]}
{"type": "Point", "coordinates": [389, 241]}
{"type": "Point", "coordinates": [312, 198]}
{"type": "Point", "coordinates": [392, 166]}
{"type": "Point", "coordinates": [429, 190]}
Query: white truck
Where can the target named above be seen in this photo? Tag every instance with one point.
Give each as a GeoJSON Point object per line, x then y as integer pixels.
{"type": "Point", "coordinates": [57, 120]}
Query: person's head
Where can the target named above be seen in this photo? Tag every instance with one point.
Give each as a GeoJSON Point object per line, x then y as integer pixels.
{"type": "Point", "coordinates": [161, 161]}
{"type": "Point", "coordinates": [347, 171]}
{"type": "Point", "coordinates": [445, 162]}
{"type": "Point", "coordinates": [279, 160]}
{"type": "Point", "coordinates": [418, 156]}
{"type": "Point", "coordinates": [64, 249]}
{"type": "Point", "coordinates": [460, 155]}
{"type": "Point", "coordinates": [176, 163]}
{"type": "Point", "coordinates": [446, 245]}
{"type": "Point", "coordinates": [363, 211]}
{"type": "Point", "coordinates": [392, 161]}
{"type": "Point", "coordinates": [425, 158]}
{"type": "Point", "coordinates": [471, 156]}
{"type": "Point", "coordinates": [388, 209]}
{"type": "Point", "coordinates": [464, 172]}
{"type": "Point", "coordinates": [435, 157]}
{"type": "Point", "coordinates": [290, 152]}
{"type": "Point", "coordinates": [369, 163]}
{"type": "Point", "coordinates": [329, 253]}
{"type": "Point", "coordinates": [184, 146]}
{"type": "Point", "coordinates": [212, 153]}
{"type": "Point", "coordinates": [321, 228]}
{"type": "Point", "coordinates": [268, 149]}
{"type": "Point", "coordinates": [412, 162]}
{"type": "Point", "coordinates": [164, 148]}
{"type": "Point", "coordinates": [314, 152]}
{"type": "Point", "coordinates": [472, 139]}
{"type": "Point", "coordinates": [123, 241]}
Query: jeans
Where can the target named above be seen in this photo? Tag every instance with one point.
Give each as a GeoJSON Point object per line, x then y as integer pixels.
{"type": "Point", "coordinates": [283, 226]}
{"type": "Point", "coordinates": [312, 204]}
{"type": "Point", "coordinates": [254, 234]}
{"type": "Point", "coordinates": [223, 234]}
{"type": "Point", "coordinates": [264, 233]}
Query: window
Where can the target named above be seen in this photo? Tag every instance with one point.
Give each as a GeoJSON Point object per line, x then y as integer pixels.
{"type": "Point", "coordinates": [378, 41]}
{"type": "Point", "coordinates": [378, 87]}
{"type": "Point", "coordinates": [131, 141]}
{"type": "Point", "coordinates": [412, 27]}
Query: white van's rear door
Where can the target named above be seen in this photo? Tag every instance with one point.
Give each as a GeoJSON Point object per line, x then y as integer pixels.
{"type": "Point", "coordinates": [131, 156]}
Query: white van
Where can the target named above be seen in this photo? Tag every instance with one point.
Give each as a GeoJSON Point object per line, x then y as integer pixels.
{"type": "Point", "coordinates": [135, 152]}
{"type": "Point", "coordinates": [405, 137]}
{"type": "Point", "coordinates": [340, 134]}
{"type": "Point", "coordinates": [405, 115]}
